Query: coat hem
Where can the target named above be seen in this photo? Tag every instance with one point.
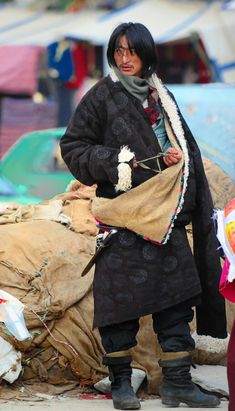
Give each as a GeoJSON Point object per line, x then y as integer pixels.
{"type": "Point", "coordinates": [151, 309]}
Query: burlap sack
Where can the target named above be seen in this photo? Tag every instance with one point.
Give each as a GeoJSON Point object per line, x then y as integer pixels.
{"type": "Point", "coordinates": [40, 263]}
{"type": "Point", "coordinates": [147, 209]}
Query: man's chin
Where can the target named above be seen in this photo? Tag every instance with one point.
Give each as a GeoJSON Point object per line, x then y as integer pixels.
{"type": "Point", "coordinates": [127, 72]}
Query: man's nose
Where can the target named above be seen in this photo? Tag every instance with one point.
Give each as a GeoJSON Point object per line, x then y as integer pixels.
{"type": "Point", "coordinates": [125, 57]}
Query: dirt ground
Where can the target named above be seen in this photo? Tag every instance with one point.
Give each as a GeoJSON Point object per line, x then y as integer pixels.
{"type": "Point", "coordinates": [62, 404]}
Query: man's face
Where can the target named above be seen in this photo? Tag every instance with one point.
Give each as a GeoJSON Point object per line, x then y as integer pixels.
{"type": "Point", "coordinates": [127, 60]}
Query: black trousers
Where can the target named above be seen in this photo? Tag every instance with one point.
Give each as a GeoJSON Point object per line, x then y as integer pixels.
{"type": "Point", "coordinates": [170, 325]}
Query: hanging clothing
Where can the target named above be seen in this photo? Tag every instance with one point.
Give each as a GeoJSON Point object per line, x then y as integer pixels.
{"type": "Point", "coordinates": [60, 60]}
{"type": "Point", "coordinates": [80, 66]}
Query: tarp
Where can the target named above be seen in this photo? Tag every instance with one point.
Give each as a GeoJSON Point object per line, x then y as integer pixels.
{"type": "Point", "coordinates": [27, 27]}
{"type": "Point", "coordinates": [210, 111]}
{"type": "Point", "coordinates": [229, 4]}
{"type": "Point", "coordinates": [19, 62]}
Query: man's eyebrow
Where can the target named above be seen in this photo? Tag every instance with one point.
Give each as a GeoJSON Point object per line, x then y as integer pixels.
{"type": "Point", "coordinates": [122, 47]}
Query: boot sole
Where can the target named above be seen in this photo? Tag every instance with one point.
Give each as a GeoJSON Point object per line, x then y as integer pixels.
{"type": "Point", "coordinates": [127, 407]}
{"type": "Point", "coordinates": [174, 403]}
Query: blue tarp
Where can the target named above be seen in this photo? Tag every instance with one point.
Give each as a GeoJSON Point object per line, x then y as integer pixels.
{"type": "Point", "coordinates": [228, 5]}
{"type": "Point", "coordinates": [210, 113]}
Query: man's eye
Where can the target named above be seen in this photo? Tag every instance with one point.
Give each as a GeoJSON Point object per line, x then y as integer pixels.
{"type": "Point", "coordinates": [132, 52]}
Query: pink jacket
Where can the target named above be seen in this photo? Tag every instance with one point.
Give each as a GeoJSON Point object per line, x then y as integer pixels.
{"type": "Point", "coordinates": [227, 289]}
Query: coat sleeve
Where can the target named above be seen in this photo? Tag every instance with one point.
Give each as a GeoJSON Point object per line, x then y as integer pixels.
{"type": "Point", "coordinates": [82, 149]}
{"type": "Point", "coordinates": [88, 159]}
{"type": "Point", "coordinates": [211, 315]}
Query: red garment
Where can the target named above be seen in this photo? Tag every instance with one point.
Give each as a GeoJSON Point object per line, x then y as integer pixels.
{"type": "Point", "coordinates": [152, 110]}
{"type": "Point", "coordinates": [231, 369]}
{"type": "Point", "coordinates": [80, 67]}
{"type": "Point", "coordinates": [227, 289]}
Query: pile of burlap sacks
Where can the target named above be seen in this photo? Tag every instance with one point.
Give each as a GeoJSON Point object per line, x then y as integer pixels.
{"type": "Point", "coordinates": [43, 251]}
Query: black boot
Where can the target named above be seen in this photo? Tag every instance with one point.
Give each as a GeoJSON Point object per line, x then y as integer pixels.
{"type": "Point", "coordinates": [177, 384]}
{"type": "Point", "coordinates": [123, 395]}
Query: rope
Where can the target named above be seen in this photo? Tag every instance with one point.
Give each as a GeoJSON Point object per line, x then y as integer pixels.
{"type": "Point", "coordinates": [158, 169]}
{"type": "Point", "coordinates": [74, 352]}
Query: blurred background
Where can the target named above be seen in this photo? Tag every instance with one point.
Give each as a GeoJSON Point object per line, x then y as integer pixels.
{"type": "Point", "coordinates": [53, 51]}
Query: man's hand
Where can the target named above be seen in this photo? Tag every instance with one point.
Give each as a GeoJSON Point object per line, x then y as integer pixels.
{"type": "Point", "coordinates": [173, 157]}
{"type": "Point", "coordinates": [134, 163]}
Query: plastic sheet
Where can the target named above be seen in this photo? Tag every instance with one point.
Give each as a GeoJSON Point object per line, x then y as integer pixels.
{"type": "Point", "coordinates": [11, 313]}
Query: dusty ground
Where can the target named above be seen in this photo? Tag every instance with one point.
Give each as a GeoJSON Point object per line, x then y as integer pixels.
{"type": "Point", "coordinates": [92, 405]}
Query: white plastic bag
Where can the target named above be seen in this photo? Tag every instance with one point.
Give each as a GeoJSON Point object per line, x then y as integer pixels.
{"type": "Point", "coordinates": [10, 361]}
{"type": "Point", "coordinates": [137, 378]}
{"type": "Point", "coordinates": [11, 313]}
{"type": "Point", "coordinates": [226, 235]}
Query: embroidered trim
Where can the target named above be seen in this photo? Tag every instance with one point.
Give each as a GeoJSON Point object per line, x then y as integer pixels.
{"type": "Point", "coordinates": [174, 216]}
{"type": "Point", "coordinates": [175, 121]}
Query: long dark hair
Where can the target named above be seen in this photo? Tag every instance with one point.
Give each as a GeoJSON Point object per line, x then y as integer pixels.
{"type": "Point", "coordinates": [139, 38]}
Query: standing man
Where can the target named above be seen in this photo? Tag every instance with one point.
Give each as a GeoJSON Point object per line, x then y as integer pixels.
{"type": "Point", "coordinates": [128, 136]}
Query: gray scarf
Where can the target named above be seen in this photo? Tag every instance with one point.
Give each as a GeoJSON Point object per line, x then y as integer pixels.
{"type": "Point", "coordinates": [136, 86]}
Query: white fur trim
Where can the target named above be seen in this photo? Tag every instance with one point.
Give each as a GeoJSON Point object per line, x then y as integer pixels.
{"type": "Point", "coordinates": [211, 344]}
{"type": "Point", "coordinates": [113, 75]}
{"type": "Point", "coordinates": [125, 155]}
{"type": "Point", "coordinates": [171, 109]}
{"type": "Point", "coordinates": [124, 177]}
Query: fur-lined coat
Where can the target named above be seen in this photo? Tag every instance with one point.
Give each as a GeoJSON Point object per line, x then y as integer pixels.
{"type": "Point", "coordinates": [135, 277]}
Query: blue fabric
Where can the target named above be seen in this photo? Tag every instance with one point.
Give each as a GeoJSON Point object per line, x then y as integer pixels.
{"type": "Point", "coordinates": [60, 61]}
{"type": "Point", "coordinates": [160, 132]}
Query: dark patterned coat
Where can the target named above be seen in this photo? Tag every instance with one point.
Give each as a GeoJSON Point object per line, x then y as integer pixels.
{"type": "Point", "coordinates": [134, 277]}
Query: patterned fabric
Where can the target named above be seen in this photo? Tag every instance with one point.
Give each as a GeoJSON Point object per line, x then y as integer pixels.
{"type": "Point", "coordinates": [156, 120]}
{"type": "Point", "coordinates": [153, 110]}
{"type": "Point", "coordinates": [134, 277]}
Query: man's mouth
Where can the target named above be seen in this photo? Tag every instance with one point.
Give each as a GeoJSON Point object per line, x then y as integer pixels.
{"type": "Point", "coordinates": [126, 67]}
